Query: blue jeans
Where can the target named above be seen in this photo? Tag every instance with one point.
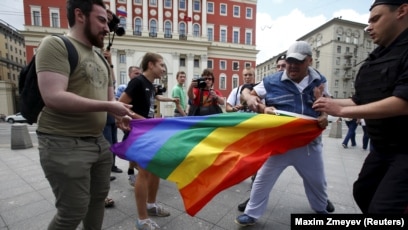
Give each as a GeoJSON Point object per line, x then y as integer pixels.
{"type": "Point", "coordinates": [110, 132]}
{"type": "Point", "coordinates": [351, 133]}
{"type": "Point", "coordinates": [78, 170]}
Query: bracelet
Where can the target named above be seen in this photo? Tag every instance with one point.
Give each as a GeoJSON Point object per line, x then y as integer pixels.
{"type": "Point", "coordinates": [111, 66]}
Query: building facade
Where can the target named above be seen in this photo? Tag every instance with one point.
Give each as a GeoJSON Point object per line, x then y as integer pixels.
{"type": "Point", "coordinates": [339, 48]}
{"type": "Point", "coordinates": [191, 35]}
{"type": "Point", "coordinates": [12, 59]}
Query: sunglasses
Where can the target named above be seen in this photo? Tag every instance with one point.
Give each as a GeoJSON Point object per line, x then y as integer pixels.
{"type": "Point", "coordinates": [208, 78]}
{"type": "Point", "coordinates": [294, 61]}
{"type": "Point", "coordinates": [248, 74]}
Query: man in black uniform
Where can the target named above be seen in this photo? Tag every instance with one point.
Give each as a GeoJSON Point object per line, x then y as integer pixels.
{"type": "Point", "coordinates": [381, 98]}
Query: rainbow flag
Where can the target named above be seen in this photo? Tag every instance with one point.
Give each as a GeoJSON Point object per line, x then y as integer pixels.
{"type": "Point", "coordinates": [204, 155]}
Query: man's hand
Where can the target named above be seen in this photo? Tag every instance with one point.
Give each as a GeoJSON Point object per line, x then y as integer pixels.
{"type": "Point", "coordinates": [322, 121]}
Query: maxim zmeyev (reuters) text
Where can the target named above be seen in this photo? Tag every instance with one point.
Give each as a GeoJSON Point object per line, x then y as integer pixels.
{"type": "Point", "coordinates": [348, 221]}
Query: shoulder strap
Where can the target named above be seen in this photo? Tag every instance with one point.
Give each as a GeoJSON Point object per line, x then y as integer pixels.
{"type": "Point", "coordinates": [201, 97]}
{"type": "Point", "coordinates": [72, 52]}
{"type": "Point", "coordinates": [236, 96]}
{"type": "Point", "coordinates": [105, 62]}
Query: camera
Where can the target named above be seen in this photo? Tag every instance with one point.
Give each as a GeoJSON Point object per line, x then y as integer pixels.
{"type": "Point", "coordinates": [115, 27]}
{"type": "Point", "coordinates": [200, 83]}
{"type": "Point", "coordinates": [160, 89]}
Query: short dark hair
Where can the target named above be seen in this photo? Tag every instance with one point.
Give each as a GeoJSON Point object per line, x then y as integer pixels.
{"type": "Point", "coordinates": [180, 72]}
{"type": "Point", "coordinates": [209, 72]}
{"type": "Point", "coordinates": [84, 5]}
{"type": "Point", "coordinates": [132, 67]}
{"type": "Point", "coordinates": [150, 57]}
{"type": "Point", "coordinates": [281, 57]}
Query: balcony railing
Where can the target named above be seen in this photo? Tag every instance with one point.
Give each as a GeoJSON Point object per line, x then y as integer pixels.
{"type": "Point", "coordinates": [137, 33]}
{"type": "Point", "coordinates": [153, 34]}
{"type": "Point", "coordinates": [183, 37]}
{"type": "Point", "coordinates": [168, 36]}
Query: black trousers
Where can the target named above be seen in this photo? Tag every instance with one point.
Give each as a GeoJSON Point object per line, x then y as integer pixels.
{"type": "Point", "coordinates": [382, 185]}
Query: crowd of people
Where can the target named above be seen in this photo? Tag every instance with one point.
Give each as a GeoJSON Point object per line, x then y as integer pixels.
{"type": "Point", "coordinates": [77, 160]}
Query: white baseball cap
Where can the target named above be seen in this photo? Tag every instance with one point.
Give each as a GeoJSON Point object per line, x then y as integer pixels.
{"type": "Point", "coordinates": [299, 50]}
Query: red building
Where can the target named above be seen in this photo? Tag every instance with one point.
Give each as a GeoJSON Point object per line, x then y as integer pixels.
{"type": "Point", "coordinates": [191, 35]}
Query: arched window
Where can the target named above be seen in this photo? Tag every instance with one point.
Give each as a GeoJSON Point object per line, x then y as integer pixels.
{"type": "Point", "coordinates": [196, 30]}
{"type": "Point", "coordinates": [167, 29]}
{"type": "Point", "coordinates": [138, 27]}
{"type": "Point", "coordinates": [153, 28]}
{"type": "Point", "coordinates": [182, 28]}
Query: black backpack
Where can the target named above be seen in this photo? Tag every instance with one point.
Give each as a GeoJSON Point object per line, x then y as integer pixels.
{"type": "Point", "coordinates": [31, 102]}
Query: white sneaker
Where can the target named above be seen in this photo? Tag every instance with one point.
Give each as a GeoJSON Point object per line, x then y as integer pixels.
{"type": "Point", "coordinates": [132, 180]}
{"type": "Point", "coordinates": [148, 225]}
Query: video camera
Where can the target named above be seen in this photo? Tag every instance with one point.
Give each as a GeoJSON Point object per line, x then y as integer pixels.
{"type": "Point", "coordinates": [160, 89]}
{"type": "Point", "coordinates": [114, 27]}
{"type": "Point", "coordinates": [200, 83]}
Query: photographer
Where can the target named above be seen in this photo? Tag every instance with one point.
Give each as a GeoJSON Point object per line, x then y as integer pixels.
{"type": "Point", "coordinates": [205, 100]}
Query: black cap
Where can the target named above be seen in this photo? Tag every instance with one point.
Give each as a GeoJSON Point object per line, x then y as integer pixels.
{"type": "Point", "coordinates": [281, 57]}
{"type": "Point", "coordinates": [388, 2]}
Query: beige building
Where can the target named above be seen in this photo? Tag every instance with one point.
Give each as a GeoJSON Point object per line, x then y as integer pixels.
{"type": "Point", "coordinates": [12, 59]}
{"type": "Point", "coordinates": [339, 48]}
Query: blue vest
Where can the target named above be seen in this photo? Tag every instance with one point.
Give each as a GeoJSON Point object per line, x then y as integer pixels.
{"type": "Point", "coordinates": [283, 94]}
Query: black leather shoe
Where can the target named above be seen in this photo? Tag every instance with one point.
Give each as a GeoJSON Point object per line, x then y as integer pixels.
{"type": "Point", "coordinates": [242, 206]}
{"type": "Point", "coordinates": [116, 169]}
{"type": "Point", "coordinates": [112, 178]}
{"type": "Point", "coordinates": [330, 206]}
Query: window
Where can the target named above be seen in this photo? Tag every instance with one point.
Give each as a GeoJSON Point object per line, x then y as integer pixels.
{"type": "Point", "coordinates": [182, 4]}
{"type": "Point", "coordinates": [167, 29]}
{"type": "Point", "coordinates": [223, 65]}
{"type": "Point", "coordinates": [338, 49]}
{"type": "Point", "coordinates": [235, 36]}
{"type": "Point", "coordinates": [247, 64]}
{"type": "Point", "coordinates": [248, 13]}
{"type": "Point", "coordinates": [337, 72]}
{"type": "Point", "coordinates": [167, 3]}
{"type": "Point", "coordinates": [153, 28]}
{"type": "Point", "coordinates": [210, 64]}
{"type": "Point", "coordinates": [35, 16]}
{"type": "Point", "coordinates": [182, 62]}
{"type": "Point", "coordinates": [210, 7]}
{"type": "Point", "coordinates": [223, 34]}
{"type": "Point", "coordinates": [122, 77]}
{"type": "Point", "coordinates": [223, 9]}
{"type": "Point", "coordinates": [152, 2]}
{"type": "Point", "coordinates": [55, 21]}
{"type": "Point", "coordinates": [336, 83]}
{"type": "Point", "coordinates": [182, 28]}
{"type": "Point", "coordinates": [138, 2]}
{"type": "Point", "coordinates": [196, 30]}
{"type": "Point", "coordinates": [122, 22]}
{"type": "Point", "coordinates": [235, 82]}
{"type": "Point", "coordinates": [337, 61]}
{"type": "Point", "coordinates": [236, 11]}
{"type": "Point", "coordinates": [235, 65]}
{"type": "Point", "coordinates": [196, 63]}
{"type": "Point", "coordinates": [138, 27]}
{"type": "Point", "coordinates": [248, 38]}
{"type": "Point", "coordinates": [196, 5]}
{"type": "Point", "coordinates": [122, 58]}
{"type": "Point", "coordinates": [223, 81]}
{"type": "Point", "coordinates": [210, 34]}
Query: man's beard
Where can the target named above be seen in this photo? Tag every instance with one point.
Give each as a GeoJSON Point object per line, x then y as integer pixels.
{"type": "Point", "coordinates": [92, 38]}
